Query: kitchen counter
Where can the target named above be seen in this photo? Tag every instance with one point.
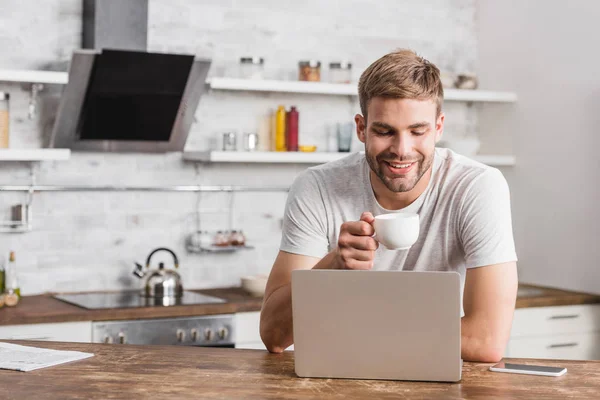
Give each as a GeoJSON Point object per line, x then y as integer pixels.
{"type": "Point", "coordinates": [45, 309]}
{"type": "Point", "coordinates": [537, 296]}
{"type": "Point", "coordinates": [127, 371]}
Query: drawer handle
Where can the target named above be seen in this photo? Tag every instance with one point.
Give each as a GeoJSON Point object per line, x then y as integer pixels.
{"type": "Point", "coordinates": [568, 316]}
{"type": "Point", "coordinates": [555, 346]}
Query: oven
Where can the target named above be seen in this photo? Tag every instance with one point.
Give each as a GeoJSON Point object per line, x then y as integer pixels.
{"type": "Point", "coordinates": [204, 331]}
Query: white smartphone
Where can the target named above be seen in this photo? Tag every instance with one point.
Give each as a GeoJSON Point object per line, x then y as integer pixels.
{"type": "Point", "coordinates": [528, 369]}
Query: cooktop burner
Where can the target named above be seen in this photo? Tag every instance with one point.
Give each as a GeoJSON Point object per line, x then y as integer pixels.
{"type": "Point", "coordinates": [129, 299]}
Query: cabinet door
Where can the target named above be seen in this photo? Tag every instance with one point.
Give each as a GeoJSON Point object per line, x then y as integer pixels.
{"type": "Point", "coordinates": [247, 327]}
{"type": "Point", "coordinates": [574, 346]}
{"type": "Point", "coordinates": [556, 320]}
{"type": "Point", "coordinates": [248, 331]}
{"type": "Point", "coordinates": [59, 332]}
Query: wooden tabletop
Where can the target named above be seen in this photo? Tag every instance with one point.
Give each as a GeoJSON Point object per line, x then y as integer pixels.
{"type": "Point", "coordinates": [126, 371]}
{"type": "Point", "coordinates": [46, 309]}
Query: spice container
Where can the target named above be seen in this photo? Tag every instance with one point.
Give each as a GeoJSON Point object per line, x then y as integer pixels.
{"type": "Point", "coordinates": [252, 67]}
{"type": "Point", "coordinates": [237, 238]}
{"type": "Point", "coordinates": [4, 109]}
{"type": "Point", "coordinates": [309, 71]}
{"type": "Point", "coordinates": [340, 72]}
{"type": "Point", "coordinates": [221, 239]}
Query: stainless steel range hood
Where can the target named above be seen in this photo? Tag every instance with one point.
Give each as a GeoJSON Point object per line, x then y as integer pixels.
{"type": "Point", "coordinates": [126, 100]}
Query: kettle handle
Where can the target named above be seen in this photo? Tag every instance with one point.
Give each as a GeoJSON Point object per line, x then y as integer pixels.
{"type": "Point", "coordinates": [175, 259]}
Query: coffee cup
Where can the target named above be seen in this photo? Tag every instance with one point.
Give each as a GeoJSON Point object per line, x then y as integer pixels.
{"type": "Point", "coordinates": [397, 231]}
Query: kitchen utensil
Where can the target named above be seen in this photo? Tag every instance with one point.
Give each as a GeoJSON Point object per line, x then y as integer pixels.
{"type": "Point", "coordinates": [162, 282]}
{"type": "Point", "coordinates": [250, 141]}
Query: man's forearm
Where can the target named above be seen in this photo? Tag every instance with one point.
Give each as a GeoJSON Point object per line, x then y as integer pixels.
{"type": "Point", "coordinates": [480, 344]}
{"type": "Point", "coordinates": [276, 325]}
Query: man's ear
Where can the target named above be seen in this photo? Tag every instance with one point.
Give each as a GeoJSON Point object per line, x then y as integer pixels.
{"type": "Point", "coordinates": [361, 127]}
{"type": "Point", "coordinates": [439, 127]}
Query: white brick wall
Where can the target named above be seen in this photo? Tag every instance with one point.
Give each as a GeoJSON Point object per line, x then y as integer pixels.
{"type": "Point", "coordinates": [88, 241]}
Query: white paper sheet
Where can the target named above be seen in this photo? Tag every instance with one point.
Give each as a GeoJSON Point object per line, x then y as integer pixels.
{"type": "Point", "coordinates": [26, 358]}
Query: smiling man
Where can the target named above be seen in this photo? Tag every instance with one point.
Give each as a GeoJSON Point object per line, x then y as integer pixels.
{"type": "Point", "coordinates": [464, 209]}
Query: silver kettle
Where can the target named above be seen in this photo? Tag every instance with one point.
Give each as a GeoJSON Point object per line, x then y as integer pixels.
{"type": "Point", "coordinates": [162, 282]}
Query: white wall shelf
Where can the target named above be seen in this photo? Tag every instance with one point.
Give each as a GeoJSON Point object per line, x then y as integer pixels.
{"type": "Point", "coordinates": [48, 77]}
{"type": "Point", "coordinates": [35, 154]}
{"type": "Point", "coordinates": [61, 78]}
{"type": "Point", "coordinates": [345, 89]}
{"type": "Point", "coordinates": [302, 158]}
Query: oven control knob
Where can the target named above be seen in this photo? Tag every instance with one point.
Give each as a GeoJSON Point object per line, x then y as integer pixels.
{"type": "Point", "coordinates": [194, 334]}
{"type": "Point", "coordinates": [108, 339]}
{"type": "Point", "coordinates": [208, 334]}
{"type": "Point", "coordinates": [121, 338]}
{"type": "Point", "coordinates": [223, 333]}
{"type": "Point", "coordinates": [180, 335]}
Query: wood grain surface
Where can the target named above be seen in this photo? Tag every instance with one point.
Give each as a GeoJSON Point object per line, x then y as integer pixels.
{"type": "Point", "coordinates": [45, 309]}
{"type": "Point", "coordinates": [126, 372]}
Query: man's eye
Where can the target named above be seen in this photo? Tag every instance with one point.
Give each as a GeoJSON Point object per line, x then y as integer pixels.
{"type": "Point", "coordinates": [418, 133]}
{"type": "Point", "coordinates": [384, 133]}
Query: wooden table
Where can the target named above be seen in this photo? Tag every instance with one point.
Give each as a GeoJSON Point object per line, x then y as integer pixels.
{"type": "Point", "coordinates": [161, 372]}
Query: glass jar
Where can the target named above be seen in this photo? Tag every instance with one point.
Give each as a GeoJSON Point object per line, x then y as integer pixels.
{"type": "Point", "coordinates": [237, 238]}
{"type": "Point", "coordinates": [252, 67]}
{"type": "Point", "coordinates": [309, 71]}
{"type": "Point", "coordinates": [221, 239]}
{"type": "Point", "coordinates": [340, 72]}
{"type": "Point", "coordinates": [4, 110]}
{"type": "Point", "coordinates": [229, 141]}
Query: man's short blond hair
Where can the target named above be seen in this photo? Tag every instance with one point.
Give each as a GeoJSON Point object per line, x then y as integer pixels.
{"type": "Point", "coordinates": [401, 75]}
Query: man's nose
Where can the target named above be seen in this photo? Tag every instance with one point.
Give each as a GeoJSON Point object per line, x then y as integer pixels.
{"type": "Point", "coordinates": [402, 144]}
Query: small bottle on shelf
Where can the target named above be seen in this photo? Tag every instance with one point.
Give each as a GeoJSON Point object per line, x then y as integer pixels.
{"type": "Point", "coordinates": [280, 117]}
{"type": "Point", "coordinates": [292, 129]}
{"type": "Point", "coordinates": [12, 292]}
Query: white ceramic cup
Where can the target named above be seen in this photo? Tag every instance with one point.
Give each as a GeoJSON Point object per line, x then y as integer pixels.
{"type": "Point", "coordinates": [397, 231]}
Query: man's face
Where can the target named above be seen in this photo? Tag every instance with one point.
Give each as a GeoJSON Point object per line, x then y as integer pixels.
{"type": "Point", "coordinates": [400, 137]}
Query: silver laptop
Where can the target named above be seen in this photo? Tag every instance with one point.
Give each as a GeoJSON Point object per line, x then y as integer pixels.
{"type": "Point", "coordinates": [377, 325]}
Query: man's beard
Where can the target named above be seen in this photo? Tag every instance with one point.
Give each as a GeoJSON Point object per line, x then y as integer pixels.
{"type": "Point", "coordinates": [399, 185]}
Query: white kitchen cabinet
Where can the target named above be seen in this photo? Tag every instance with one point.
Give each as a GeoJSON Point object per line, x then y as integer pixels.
{"type": "Point", "coordinates": [561, 332]}
{"type": "Point", "coordinates": [247, 327]}
{"type": "Point", "coordinates": [59, 332]}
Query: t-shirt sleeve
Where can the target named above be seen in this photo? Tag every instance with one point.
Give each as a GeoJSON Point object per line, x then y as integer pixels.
{"type": "Point", "coordinates": [305, 219]}
{"type": "Point", "coordinates": [485, 222]}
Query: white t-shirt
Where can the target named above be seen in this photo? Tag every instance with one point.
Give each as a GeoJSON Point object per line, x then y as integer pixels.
{"type": "Point", "coordinates": [465, 216]}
